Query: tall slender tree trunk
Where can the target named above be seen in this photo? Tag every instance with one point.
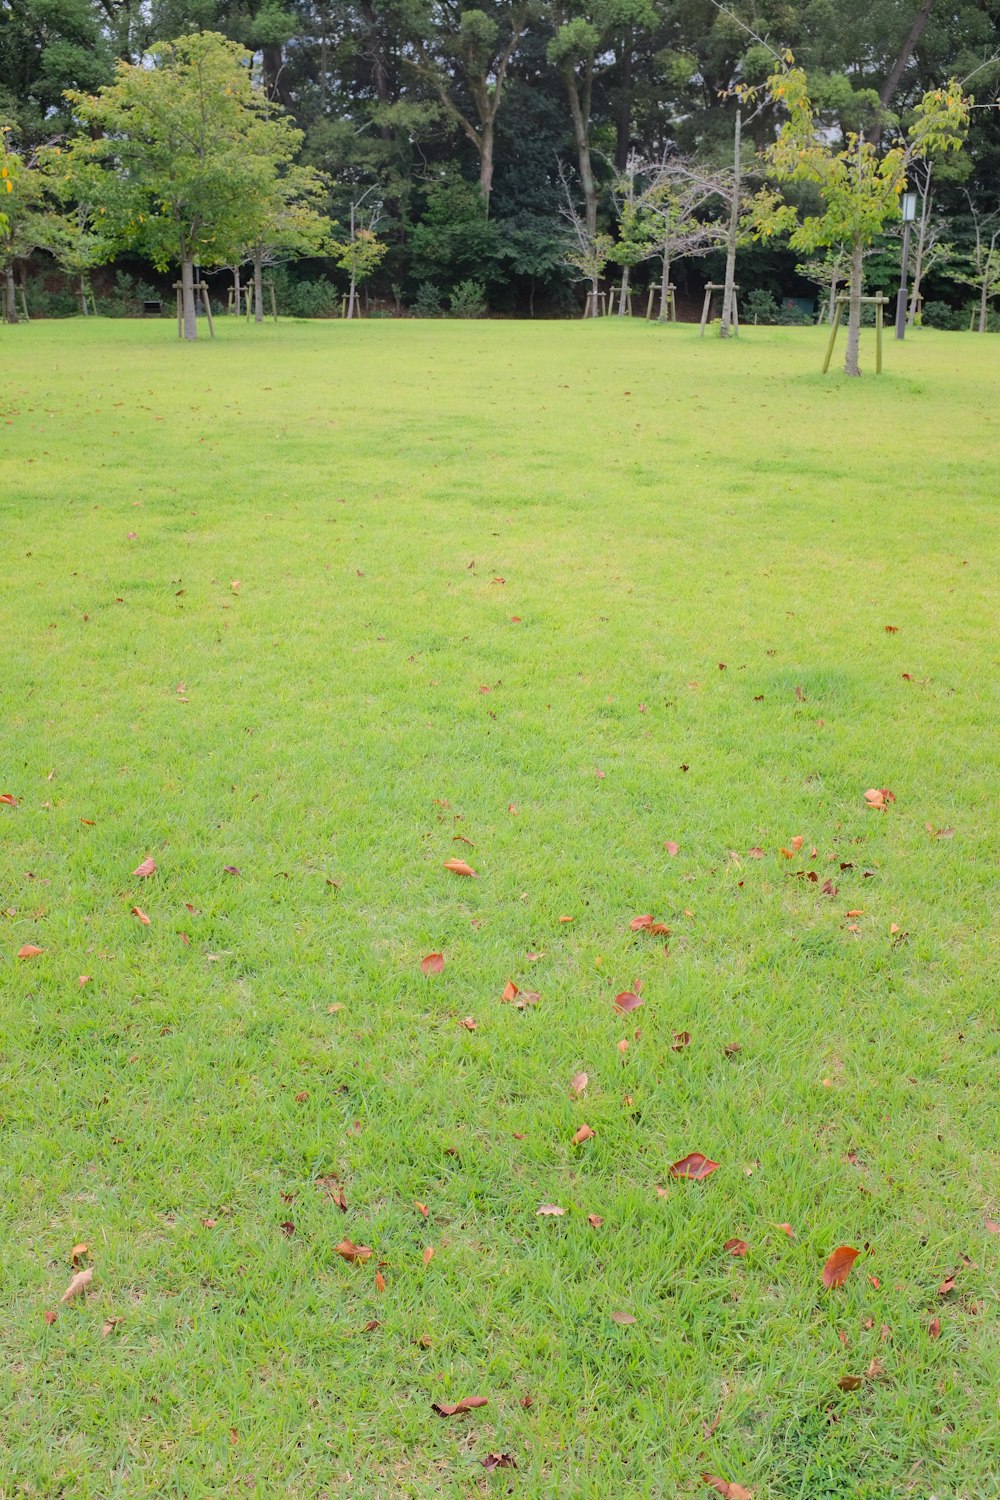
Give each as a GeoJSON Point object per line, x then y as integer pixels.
{"type": "Point", "coordinates": [832, 310]}
{"type": "Point", "coordinates": [82, 294]}
{"type": "Point", "coordinates": [984, 300]}
{"type": "Point", "coordinates": [237, 289]}
{"type": "Point", "coordinates": [486, 162]}
{"type": "Point", "coordinates": [918, 262]}
{"type": "Point", "coordinates": [623, 111]}
{"type": "Point", "coordinates": [851, 365]}
{"type": "Point", "coordinates": [665, 281]}
{"type": "Point", "coordinates": [732, 234]}
{"type": "Point", "coordinates": [188, 306]}
{"type": "Point", "coordinates": [623, 294]}
{"type": "Point", "coordinates": [581, 140]}
{"type": "Point", "coordinates": [10, 298]}
{"type": "Point", "coordinates": [258, 287]}
{"type": "Point", "coordinates": [891, 84]}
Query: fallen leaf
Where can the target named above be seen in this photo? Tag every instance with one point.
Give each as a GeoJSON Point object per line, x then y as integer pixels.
{"type": "Point", "coordinates": [433, 963]}
{"type": "Point", "coordinates": [379, 1282]}
{"type": "Point", "coordinates": [231, 870]}
{"type": "Point", "coordinates": [510, 991]}
{"type": "Point", "coordinates": [627, 1001]}
{"type": "Point", "coordinates": [468, 1023]}
{"type": "Point", "coordinates": [736, 1247]}
{"type": "Point", "coordinates": [527, 1402]}
{"type": "Point", "coordinates": [459, 838]}
{"type": "Point", "coordinates": [637, 924]}
{"type": "Point", "coordinates": [787, 1229]}
{"type": "Point", "coordinates": [578, 1085]}
{"type": "Point", "coordinates": [137, 911]}
{"type": "Point", "coordinates": [147, 868]}
{"type": "Point", "coordinates": [8, 799]}
{"type": "Point", "coordinates": [459, 867]}
{"type": "Point", "coordinates": [731, 1049]}
{"type": "Point", "coordinates": [287, 1228]}
{"type": "Point", "coordinates": [724, 1488]}
{"type": "Point", "coordinates": [850, 1382]}
{"type": "Point", "coordinates": [671, 847]}
{"type": "Point", "coordinates": [498, 1461]}
{"type": "Point", "coordinates": [77, 1253]}
{"type": "Point", "coordinates": [79, 1284]}
{"type": "Point", "coordinates": [755, 853]}
{"type": "Point", "coordinates": [681, 1040]}
{"type": "Point", "coordinates": [50, 1318]}
{"type": "Point", "coordinates": [209, 1223]}
{"type": "Point", "coordinates": [29, 951]}
{"type": "Point", "coordinates": [84, 979]}
{"type": "Point", "coordinates": [879, 797]}
{"type": "Point", "coordinates": [565, 919]}
{"type": "Point", "coordinates": [595, 1221]}
{"type": "Point", "coordinates": [583, 1134]}
{"type": "Point", "coordinates": [422, 1209]}
{"type": "Point", "coordinates": [836, 1270]}
{"type": "Point", "coordinates": [371, 1325]}
{"type": "Point", "coordinates": [623, 1318]}
{"type": "Point", "coordinates": [428, 1254]}
{"type": "Point", "coordinates": [660, 929]}
{"type": "Point", "coordinates": [934, 1328]}
{"type": "Point", "coordinates": [992, 1226]}
{"type": "Point", "coordinates": [947, 1285]}
{"type": "Point", "coordinates": [352, 1252]}
{"type": "Point", "coordinates": [468, 1403]}
{"type": "Point", "coordinates": [623, 1046]}
{"type": "Point", "coordinates": [192, 909]}
{"type": "Point", "coordinates": [695, 1166]}
{"type": "Point", "coordinates": [549, 1210]}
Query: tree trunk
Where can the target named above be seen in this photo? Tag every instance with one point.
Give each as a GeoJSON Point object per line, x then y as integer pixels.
{"type": "Point", "coordinates": [665, 282]}
{"type": "Point", "coordinates": [899, 66]}
{"type": "Point", "coordinates": [258, 288]}
{"type": "Point", "coordinates": [10, 300]}
{"type": "Point", "coordinates": [918, 262]}
{"type": "Point", "coordinates": [851, 366]}
{"type": "Point", "coordinates": [486, 163]}
{"type": "Point", "coordinates": [188, 306]}
{"type": "Point", "coordinates": [352, 295]}
{"type": "Point", "coordinates": [984, 299]}
{"type": "Point", "coordinates": [732, 235]}
{"type": "Point", "coordinates": [582, 143]}
{"type": "Point", "coordinates": [273, 68]}
{"type": "Point", "coordinates": [623, 111]}
{"type": "Point", "coordinates": [82, 294]}
{"type": "Point", "coordinates": [595, 293]}
{"type": "Point", "coordinates": [237, 289]}
{"type": "Point", "coordinates": [623, 294]}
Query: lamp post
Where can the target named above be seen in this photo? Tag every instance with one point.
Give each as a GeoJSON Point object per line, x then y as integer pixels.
{"type": "Point", "coordinates": [908, 206]}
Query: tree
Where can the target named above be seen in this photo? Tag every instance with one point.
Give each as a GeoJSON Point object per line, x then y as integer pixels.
{"type": "Point", "coordinates": [364, 252]}
{"type": "Point", "coordinates": [857, 188]}
{"type": "Point", "coordinates": [190, 150]}
{"type": "Point", "coordinates": [25, 227]}
{"type": "Point", "coordinates": [677, 196]}
{"type": "Point", "coordinates": [284, 221]}
{"type": "Point", "coordinates": [981, 266]}
{"type": "Point", "coordinates": [586, 252]}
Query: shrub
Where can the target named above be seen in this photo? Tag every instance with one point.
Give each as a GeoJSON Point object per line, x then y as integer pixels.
{"type": "Point", "coordinates": [468, 300]}
{"type": "Point", "coordinates": [309, 299]}
{"type": "Point", "coordinates": [427, 302]}
{"type": "Point", "coordinates": [760, 307]}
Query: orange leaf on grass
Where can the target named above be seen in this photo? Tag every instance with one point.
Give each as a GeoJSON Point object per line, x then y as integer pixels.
{"type": "Point", "coordinates": [671, 847]}
{"type": "Point", "coordinates": [934, 1328]}
{"type": "Point", "coordinates": [510, 991]}
{"type": "Point", "coordinates": [468, 1022]}
{"type": "Point", "coordinates": [78, 1285]}
{"type": "Point", "coordinates": [468, 1403]}
{"type": "Point", "coordinates": [623, 1318]}
{"type": "Point", "coordinates": [433, 963]}
{"type": "Point", "coordinates": [379, 1282]}
{"type": "Point", "coordinates": [578, 1084]}
{"type": "Point", "coordinates": [583, 1134]}
{"type": "Point", "coordinates": [787, 1229]}
{"type": "Point", "coordinates": [681, 1040]}
{"type": "Point", "coordinates": [137, 911]}
{"type": "Point", "coordinates": [595, 1221]}
{"type": "Point", "coordinates": [422, 1209]}
{"type": "Point", "coordinates": [351, 1252]}
{"type": "Point", "coordinates": [695, 1166]}
{"type": "Point", "coordinates": [879, 797]}
{"type": "Point", "coordinates": [8, 799]}
{"type": "Point", "coordinates": [724, 1488]}
{"type": "Point", "coordinates": [147, 868]}
{"type": "Point", "coordinates": [459, 867]}
{"type": "Point", "coordinates": [627, 1001]}
{"type": "Point", "coordinates": [549, 1210]}
{"type": "Point", "coordinates": [736, 1247]}
{"type": "Point", "coordinates": [84, 979]}
{"type": "Point", "coordinates": [638, 924]}
{"type": "Point", "coordinates": [29, 951]}
{"type": "Point", "coordinates": [837, 1268]}
{"type": "Point", "coordinates": [428, 1254]}
{"type": "Point", "coordinates": [50, 1317]}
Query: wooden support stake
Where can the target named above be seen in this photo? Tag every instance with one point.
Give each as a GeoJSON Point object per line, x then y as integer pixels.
{"type": "Point", "coordinates": [208, 308]}
{"type": "Point", "coordinates": [833, 333]}
{"type": "Point", "coordinates": [180, 312]}
{"type": "Point", "coordinates": [878, 333]}
{"type": "Point", "coordinates": [704, 311]}
{"type": "Point", "coordinates": [649, 303]}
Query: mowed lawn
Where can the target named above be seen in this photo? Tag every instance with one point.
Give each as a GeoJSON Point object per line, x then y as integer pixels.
{"type": "Point", "coordinates": [330, 606]}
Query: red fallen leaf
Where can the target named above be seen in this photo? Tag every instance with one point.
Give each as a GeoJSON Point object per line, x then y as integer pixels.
{"type": "Point", "coordinates": [671, 847]}
{"type": "Point", "coordinates": [352, 1252]}
{"type": "Point", "coordinates": [797, 842]}
{"type": "Point", "coordinates": [78, 1253]}
{"type": "Point", "coordinates": [623, 1047]}
{"type": "Point", "coordinates": [88, 822]}
{"type": "Point", "coordinates": [50, 1318]}
{"type": "Point", "coordinates": [137, 911]}
{"type": "Point", "coordinates": [891, 629]}
{"type": "Point", "coordinates": [623, 1318]}
{"type": "Point", "coordinates": [947, 1285]}
{"type": "Point", "coordinates": [755, 853]}
{"type": "Point", "coordinates": [371, 1325]}
{"type": "Point", "coordinates": [433, 963]}
{"type": "Point", "coordinates": [837, 1268]}
{"type": "Point", "coordinates": [578, 1085]}
{"type": "Point", "coordinates": [84, 979]}
{"type": "Point", "coordinates": [231, 870]}
{"type": "Point", "coordinates": [147, 868]}
{"type": "Point", "coordinates": [510, 991]}
{"type": "Point", "coordinates": [787, 1229]}
{"type": "Point", "coordinates": [192, 909]}
{"type": "Point", "coordinates": [992, 1226]}
{"type": "Point", "coordinates": [724, 1488]}
{"type": "Point", "coordinates": [875, 1282]}
{"type": "Point", "coordinates": [595, 1221]}
{"type": "Point", "coordinates": [565, 919]}
{"type": "Point", "coordinates": [29, 951]}
{"type": "Point", "coordinates": [379, 1282]}
{"type": "Point", "coordinates": [498, 1461]}
{"type": "Point", "coordinates": [731, 1049]}
{"type": "Point", "coordinates": [681, 1040]}
{"type": "Point", "coordinates": [8, 799]}
{"type": "Point", "coordinates": [842, 1336]}
{"type": "Point", "coordinates": [659, 929]}
{"type": "Point", "coordinates": [828, 888]}
{"type": "Point", "coordinates": [459, 838]}
{"type": "Point", "coordinates": [302, 1096]}
{"type": "Point", "coordinates": [459, 867]}
{"type": "Point", "coordinates": [939, 833]}
{"type": "Point", "coordinates": [627, 1001]}
{"type": "Point", "coordinates": [527, 1402]}
{"type": "Point", "coordinates": [468, 1022]}
{"type": "Point", "coordinates": [879, 797]}
{"type": "Point", "coordinates": [934, 1328]}
{"type": "Point", "coordinates": [549, 1210]}
{"type": "Point", "coordinates": [422, 1209]}
{"type": "Point", "coordinates": [637, 924]}
{"type": "Point", "coordinates": [583, 1134]}
{"type": "Point", "coordinates": [287, 1228]}
{"type": "Point", "coordinates": [695, 1166]}
{"type": "Point", "coordinates": [850, 1382]}
{"type": "Point", "coordinates": [184, 939]}
{"type": "Point", "coordinates": [78, 1284]}
{"type": "Point", "coordinates": [428, 1255]}
{"type": "Point", "coordinates": [736, 1247]}
{"type": "Point", "coordinates": [468, 1403]}
{"type": "Point", "coordinates": [332, 1187]}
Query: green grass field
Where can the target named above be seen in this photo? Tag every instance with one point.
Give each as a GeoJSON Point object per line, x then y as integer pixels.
{"type": "Point", "coordinates": [331, 605]}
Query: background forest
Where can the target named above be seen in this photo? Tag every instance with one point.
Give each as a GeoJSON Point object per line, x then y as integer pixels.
{"type": "Point", "coordinates": [475, 140]}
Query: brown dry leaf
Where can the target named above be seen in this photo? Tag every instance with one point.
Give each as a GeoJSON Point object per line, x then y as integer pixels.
{"type": "Point", "coordinates": [837, 1268]}
{"type": "Point", "coordinates": [192, 909]}
{"type": "Point", "coordinates": [353, 1253]}
{"type": "Point", "coordinates": [287, 1228]}
{"type": "Point", "coordinates": [78, 1285]}
{"type": "Point", "coordinates": [8, 799]}
{"type": "Point", "coordinates": [787, 1229]}
{"type": "Point", "coordinates": [527, 997]}
{"type": "Point", "coordinates": [371, 1325]}
{"type": "Point", "coordinates": [549, 1210]}
{"type": "Point", "coordinates": [379, 1282]}
{"type": "Point", "coordinates": [84, 979]}
{"type": "Point", "coordinates": [50, 1317]}
{"type": "Point", "coordinates": [137, 911]}
{"type": "Point", "coordinates": [331, 1186]}
{"type": "Point", "coordinates": [77, 1253]}
{"type": "Point", "coordinates": [638, 924]}
{"type": "Point", "coordinates": [695, 1166]}
{"type": "Point", "coordinates": [736, 1247]}
{"type": "Point", "coordinates": [302, 1096]}
{"type": "Point", "coordinates": [578, 1085]}
{"type": "Point", "coordinates": [727, 1490]}
{"type": "Point", "coordinates": [850, 1382]}
{"type": "Point", "coordinates": [428, 1254]}
{"type": "Point", "coordinates": [510, 991]}
{"type": "Point", "coordinates": [147, 868]}
{"type": "Point", "coordinates": [671, 847]}
{"type": "Point", "coordinates": [992, 1226]}
{"type": "Point", "coordinates": [583, 1134]}
{"type": "Point", "coordinates": [29, 951]}
{"type": "Point", "coordinates": [755, 853]}
{"type": "Point", "coordinates": [422, 1209]}
{"type": "Point", "coordinates": [879, 797]}
{"type": "Point", "coordinates": [934, 1328]}
{"type": "Point", "coordinates": [468, 1403]}
{"type": "Point", "coordinates": [459, 867]}
{"type": "Point", "coordinates": [595, 1221]}
{"type": "Point", "coordinates": [731, 1049]}
{"type": "Point", "coordinates": [433, 963]}
{"type": "Point", "coordinates": [947, 1285]}
{"type": "Point", "coordinates": [623, 1046]}
{"type": "Point", "coordinates": [468, 1022]}
{"type": "Point", "coordinates": [627, 1001]}
{"type": "Point", "coordinates": [459, 838]}
{"type": "Point", "coordinates": [209, 1223]}
{"type": "Point", "coordinates": [565, 919]}
{"type": "Point", "coordinates": [681, 1040]}
{"type": "Point", "coordinates": [498, 1461]}
{"type": "Point", "coordinates": [623, 1318]}
{"type": "Point", "coordinates": [231, 870]}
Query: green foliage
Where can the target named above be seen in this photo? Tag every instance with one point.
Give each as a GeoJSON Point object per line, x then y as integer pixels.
{"type": "Point", "coordinates": [468, 300]}
{"type": "Point", "coordinates": [454, 240]}
{"type": "Point", "coordinates": [427, 302]}
{"type": "Point", "coordinates": [760, 307]}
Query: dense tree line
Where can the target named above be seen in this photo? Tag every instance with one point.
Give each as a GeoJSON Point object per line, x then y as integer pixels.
{"type": "Point", "coordinates": [474, 141]}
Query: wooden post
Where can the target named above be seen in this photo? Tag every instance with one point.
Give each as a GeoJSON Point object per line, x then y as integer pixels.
{"type": "Point", "coordinates": [704, 311]}
{"type": "Point", "coordinates": [878, 333]}
{"type": "Point", "coordinates": [203, 288]}
{"type": "Point", "coordinates": [649, 304]}
{"type": "Point", "coordinates": [833, 333]}
{"type": "Point", "coordinates": [180, 314]}
{"type": "Point", "coordinates": [274, 305]}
